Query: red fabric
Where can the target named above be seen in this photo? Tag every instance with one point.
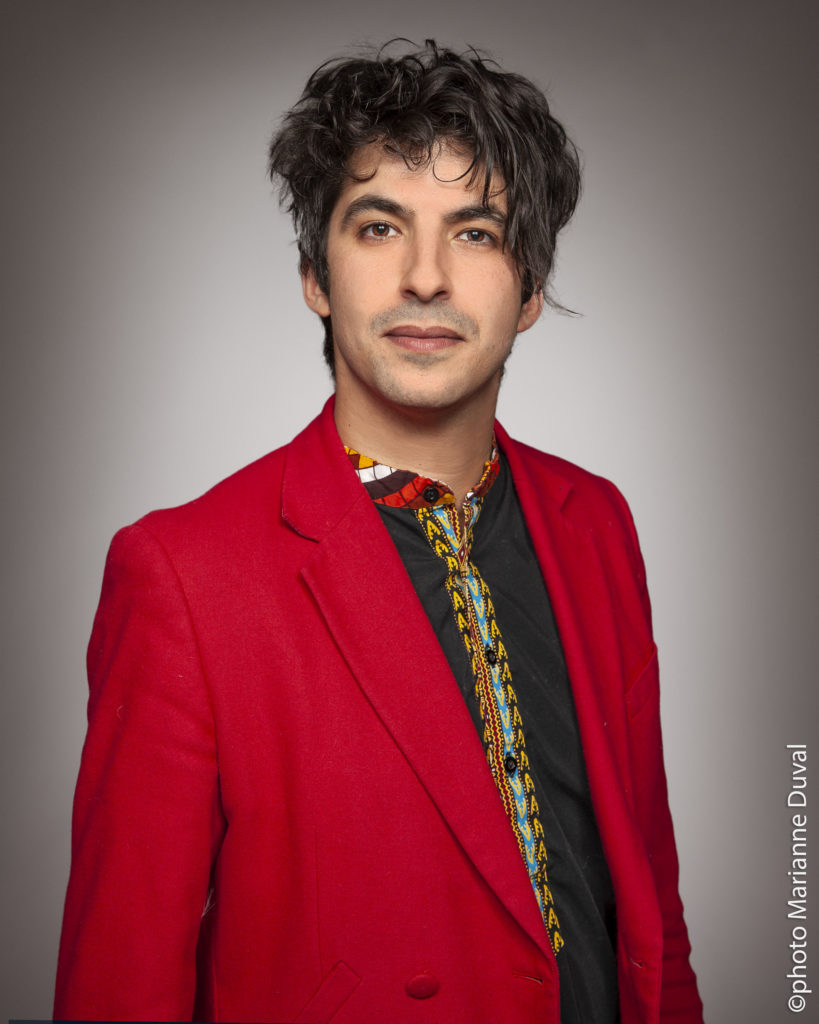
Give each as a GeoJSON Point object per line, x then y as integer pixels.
{"type": "Point", "coordinates": [284, 812]}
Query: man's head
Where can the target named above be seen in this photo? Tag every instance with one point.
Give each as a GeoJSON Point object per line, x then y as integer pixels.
{"type": "Point", "coordinates": [410, 105]}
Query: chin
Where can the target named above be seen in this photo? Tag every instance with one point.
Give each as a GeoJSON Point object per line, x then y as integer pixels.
{"type": "Point", "coordinates": [430, 399]}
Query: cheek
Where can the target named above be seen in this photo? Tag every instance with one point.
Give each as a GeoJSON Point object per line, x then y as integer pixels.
{"type": "Point", "coordinates": [351, 314]}
{"type": "Point", "coordinates": [348, 311]}
{"type": "Point", "coordinates": [503, 323]}
{"type": "Point", "coordinates": [500, 295]}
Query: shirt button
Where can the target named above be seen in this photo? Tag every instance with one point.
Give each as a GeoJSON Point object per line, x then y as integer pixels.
{"type": "Point", "coordinates": [491, 657]}
{"type": "Point", "coordinates": [510, 763]}
{"type": "Point", "coordinates": [430, 494]}
{"type": "Point", "coordinates": [422, 986]}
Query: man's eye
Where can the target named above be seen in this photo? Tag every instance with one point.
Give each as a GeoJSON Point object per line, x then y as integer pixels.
{"type": "Point", "coordinates": [377, 230]}
{"type": "Point", "coordinates": [477, 235]}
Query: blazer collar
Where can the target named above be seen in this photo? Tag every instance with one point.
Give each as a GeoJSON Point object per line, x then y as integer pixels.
{"type": "Point", "coordinates": [318, 454]}
{"type": "Point", "coordinates": [553, 486]}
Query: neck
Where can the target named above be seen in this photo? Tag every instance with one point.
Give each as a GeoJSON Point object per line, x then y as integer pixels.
{"type": "Point", "coordinates": [447, 445]}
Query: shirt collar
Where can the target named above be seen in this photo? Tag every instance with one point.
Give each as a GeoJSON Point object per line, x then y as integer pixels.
{"type": "Point", "coordinates": [402, 488]}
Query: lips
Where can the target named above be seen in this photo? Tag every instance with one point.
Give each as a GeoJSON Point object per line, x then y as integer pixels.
{"type": "Point", "coordinates": [410, 331]}
{"type": "Point", "coordinates": [424, 339]}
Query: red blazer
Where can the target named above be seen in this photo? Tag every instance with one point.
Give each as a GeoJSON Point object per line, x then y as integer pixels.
{"type": "Point", "coordinates": [284, 812]}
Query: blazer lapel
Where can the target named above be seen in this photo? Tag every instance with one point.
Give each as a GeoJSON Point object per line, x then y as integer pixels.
{"type": "Point", "coordinates": [584, 604]}
{"type": "Point", "coordinates": [369, 605]}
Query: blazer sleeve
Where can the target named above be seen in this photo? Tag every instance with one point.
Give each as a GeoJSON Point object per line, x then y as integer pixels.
{"type": "Point", "coordinates": [147, 821]}
{"type": "Point", "coordinates": [679, 998]}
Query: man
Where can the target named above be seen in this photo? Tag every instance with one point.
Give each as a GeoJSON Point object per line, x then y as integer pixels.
{"type": "Point", "coordinates": [374, 726]}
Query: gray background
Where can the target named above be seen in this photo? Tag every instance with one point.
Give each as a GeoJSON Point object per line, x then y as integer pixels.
{"type": "Point", "coordinates": [154, 339]}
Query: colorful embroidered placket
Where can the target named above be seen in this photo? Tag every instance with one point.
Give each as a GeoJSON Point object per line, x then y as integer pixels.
{"type": "Point", "coordinates": [503, 737]}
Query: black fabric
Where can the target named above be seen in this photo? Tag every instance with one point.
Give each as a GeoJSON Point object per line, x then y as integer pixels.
{"type": "Point", "coordinates": [578, 875]}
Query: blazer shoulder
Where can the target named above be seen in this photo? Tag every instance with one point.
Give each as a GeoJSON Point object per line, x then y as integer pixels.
{"type": "Point", "coordinates": [590, 502]}
{"type": "Point", "coordinates": [252, 496]}
{"type": "Point", "coordinates": [242, 518]}
{"type": "Point", "coordinates": [586, 498]}
{"type": "Point", "coordinates": [243, 505]}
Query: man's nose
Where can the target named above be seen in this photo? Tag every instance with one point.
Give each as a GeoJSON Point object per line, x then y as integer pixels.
{"type": "Point", "coordinates": [426, 270]}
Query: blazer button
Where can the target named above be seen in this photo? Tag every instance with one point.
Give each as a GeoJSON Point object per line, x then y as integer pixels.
{"type": "Point", "coordinates": [422, 986]}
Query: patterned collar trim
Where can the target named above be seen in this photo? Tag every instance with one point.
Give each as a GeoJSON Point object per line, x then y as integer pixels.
{"type": "Point", "coordinates": [401, 488]}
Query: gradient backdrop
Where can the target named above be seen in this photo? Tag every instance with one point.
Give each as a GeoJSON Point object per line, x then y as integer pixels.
{"type": "Point", "coordinates": [154, 340]}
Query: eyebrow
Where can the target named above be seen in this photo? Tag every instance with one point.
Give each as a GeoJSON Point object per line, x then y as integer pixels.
{"type": "Point", "coordinates": [376, 203]}
{"type": "Point", "coordinates": [492, 213]}
{"type": "Point", "coordinates": [381, 204]}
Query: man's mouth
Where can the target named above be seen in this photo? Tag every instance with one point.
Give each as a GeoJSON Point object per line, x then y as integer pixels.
{"type": "Point", "coordinates": [424, 339]}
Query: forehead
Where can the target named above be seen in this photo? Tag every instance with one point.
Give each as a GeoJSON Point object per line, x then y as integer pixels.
{"type": "Point", "coordinates": [446, 178]}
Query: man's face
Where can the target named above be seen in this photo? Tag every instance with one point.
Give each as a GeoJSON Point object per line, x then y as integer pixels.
{"type": "Point", "coordinates": [425, 304]}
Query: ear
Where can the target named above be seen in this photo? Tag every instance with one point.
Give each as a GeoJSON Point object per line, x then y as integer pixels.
{"type": "Point", "coordinates": [314, 296]}
{"type": "Point", "coordinates": [530, 310]}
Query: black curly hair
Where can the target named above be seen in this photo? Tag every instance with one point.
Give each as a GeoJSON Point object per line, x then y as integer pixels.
{"type": "Point", "coordinates": [410, 104]}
